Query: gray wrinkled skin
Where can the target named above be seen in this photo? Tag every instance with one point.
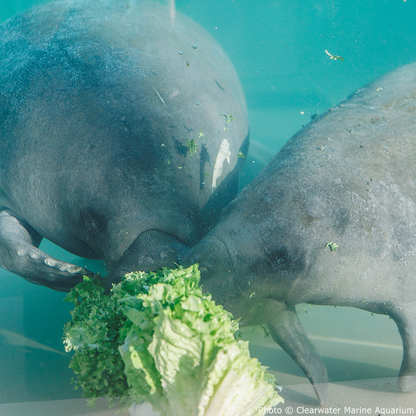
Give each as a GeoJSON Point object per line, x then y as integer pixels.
{"type": "Point", "coordinates": [96, 106]}
{"type": "Point", "coordinates": [347, 178]}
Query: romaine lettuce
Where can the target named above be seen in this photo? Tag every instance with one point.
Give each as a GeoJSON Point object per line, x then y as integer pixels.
{"type": "Point", "coordinates": [159, 339]}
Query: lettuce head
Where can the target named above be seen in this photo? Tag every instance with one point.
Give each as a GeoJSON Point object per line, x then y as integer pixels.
{"type": "Point", "coordinates": [158, 338]}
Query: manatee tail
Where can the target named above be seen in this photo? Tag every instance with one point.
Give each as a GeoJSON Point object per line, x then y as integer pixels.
{"type": "Point", "coordinates": [288, 332]}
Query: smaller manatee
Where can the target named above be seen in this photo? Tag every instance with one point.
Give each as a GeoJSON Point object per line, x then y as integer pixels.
{"type": "Point", "coordinates": [330, 221]}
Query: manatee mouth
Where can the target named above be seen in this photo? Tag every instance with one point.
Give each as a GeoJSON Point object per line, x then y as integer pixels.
{"type": "Point", "coordinates": [211, 254]}
{"type": "Point", "coordinates": [150, 251]}
{"type": "Point", "coordinates": [217, 270]}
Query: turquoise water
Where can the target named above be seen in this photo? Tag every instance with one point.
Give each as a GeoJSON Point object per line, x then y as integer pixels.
{"type": "Point", "coordinates": [278, 49]}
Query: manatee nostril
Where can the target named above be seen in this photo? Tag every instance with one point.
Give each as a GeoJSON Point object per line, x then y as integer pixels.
{"type": "Point", "coordinates": [168, 253]}
{"type": "Point", "coordinates": [146, 260]}
{"type": "Point", "coordinates": [277, 264]}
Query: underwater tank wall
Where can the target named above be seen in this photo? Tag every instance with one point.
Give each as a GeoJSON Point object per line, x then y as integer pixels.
{"type": "Point", "coordinates": [282, 53]}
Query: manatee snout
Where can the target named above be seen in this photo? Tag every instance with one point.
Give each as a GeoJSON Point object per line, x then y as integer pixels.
{"type": "Point", "coordinates": [151, 250]}
{"type": "Point", "coordinates": [216, 267]}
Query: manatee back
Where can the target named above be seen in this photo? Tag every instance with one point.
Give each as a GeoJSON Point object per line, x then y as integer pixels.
{"type": "Point", "coordinates": [365, 142]}
{"type": "Point", "coordinates": [368, 136]}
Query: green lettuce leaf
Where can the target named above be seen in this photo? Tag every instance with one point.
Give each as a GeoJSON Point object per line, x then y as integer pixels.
{"type": "Point", "coordinates": [159, 339]}
{"type": "Point", "coordinates": [94, 335]}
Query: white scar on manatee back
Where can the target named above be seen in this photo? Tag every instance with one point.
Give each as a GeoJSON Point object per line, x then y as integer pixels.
{"type": "Point", "coordinates": [223, 153]}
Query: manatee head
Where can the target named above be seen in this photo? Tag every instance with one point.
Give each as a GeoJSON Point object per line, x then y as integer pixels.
{"type": "Point", "coordinates": [271, 244]}
{"type": "Point", "coordinates": [150, 251]}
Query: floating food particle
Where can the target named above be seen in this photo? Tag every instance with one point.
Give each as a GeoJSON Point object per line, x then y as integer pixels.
{"type": "Point", "coordinates": [332, 246]}
{"type": "Point", "coordinates": [334, 57]}
{"type": "Point", "coordinates": [192, 147]}
{"type": "Point", "coordinates": [229, 118]}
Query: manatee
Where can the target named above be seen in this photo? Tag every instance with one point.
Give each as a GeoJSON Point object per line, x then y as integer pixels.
{"type": "Point", "coordinates": [113, 142]}
{"type": "Point", "coordinates": [331, 220]}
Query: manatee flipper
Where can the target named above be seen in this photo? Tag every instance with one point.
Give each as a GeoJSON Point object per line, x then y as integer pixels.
{"type": "Point", "coordinates": [405, 318]}
{"type": "Point", "coordinates": [19, 254]}
{"type": "Point", "coordinates": [288, 332]}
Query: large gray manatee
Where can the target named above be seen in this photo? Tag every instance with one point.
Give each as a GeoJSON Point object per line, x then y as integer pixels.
{"type": "Point", "coordinates": [330, 221]}
{"type": "Point", "coordinates": [117, 136]}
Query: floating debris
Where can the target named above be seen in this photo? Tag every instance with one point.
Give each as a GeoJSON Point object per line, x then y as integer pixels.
{"type": "Point", "coordinates": [332, 246]}
{"type": "Point", "coordinates": [159, 95]}
{"type": "Point", "coordinates": [334, 57]}
{"type": "Point", "coordinates": [266, 330]}
{"type": "Point", "coordinates": [192, 147]}
{"type": "Point", "coordinates": [229, 117]}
